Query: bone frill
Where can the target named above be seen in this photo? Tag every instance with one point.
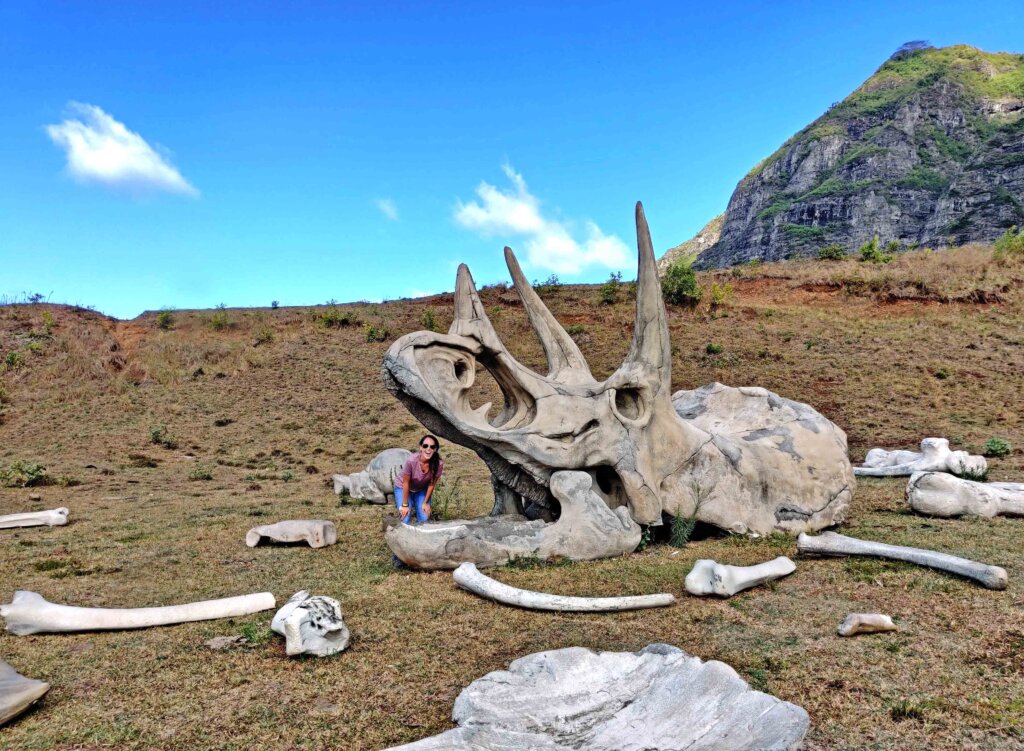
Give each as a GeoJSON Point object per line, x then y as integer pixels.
{"type": "Point", "coordinates": [941, 494]}
{"type": "Point", "coordinates": [311, 625]}
{"type": "Point", "coordinates": [469, 578]}
{"type": "Point", "coordinates": [865, 623]}
{"type": "Point", "coordinates": [17, 693]}
{"type": "Point", "coordinates": [711, 578]}
{"type": "Point", "coordinates": [830, 543]}
{"type": "Point", "coordinates": [934, 456]}
{"type": "Point", "coordinates": [376, 483]}
{"type": "Point", "coordinates": [53, 518]}
{"type": "Point", "coordinates": [29, 613]}
{"type": "Point", "coordinates": [318, 533]}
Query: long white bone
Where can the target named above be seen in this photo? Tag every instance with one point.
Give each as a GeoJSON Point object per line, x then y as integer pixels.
{"type": "Point", "coordinates": [30, 613]}
{"type": "Point", "coordinates": [939, 494]}
{"type": "Point", "coordinates": [311, 625]}
{"type": "Point", "coordinates": [56, 517]}
{"type": "Point", "coordinates": [830, 543]}
{"type": "Point", "coordinates": [318, 533]}
{"type": "Point", "coordinates": [711, 578]}
{"type": "Point", "coordinates": [865, 623]}
{"type": "Point", "coordinates": [934, 456]}
{"type": "Point", "coordinates": [469, 577]}
{"type": "Point", "coordinates": [17, 693]}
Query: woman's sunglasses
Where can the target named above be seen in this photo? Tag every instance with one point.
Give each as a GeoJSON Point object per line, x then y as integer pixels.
{"type": "Point", "coordinates": [430, 446]}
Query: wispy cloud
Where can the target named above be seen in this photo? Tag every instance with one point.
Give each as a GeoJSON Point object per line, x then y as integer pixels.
{"type": "Point", "coordinates": [101, 149]}
{"type": "Point", "coordinates": [549, 243]}
{"type": "Point", "coordinates": [387, 208]}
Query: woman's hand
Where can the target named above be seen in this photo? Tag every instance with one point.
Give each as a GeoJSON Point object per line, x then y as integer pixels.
{"type": "Point", "coordinates": [403, 512]}
{"type": "Point", "coordinates": [426, 509]}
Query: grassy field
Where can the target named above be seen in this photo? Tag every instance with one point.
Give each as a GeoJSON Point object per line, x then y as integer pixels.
{"type": "Point", "coordinates": [128, 417]}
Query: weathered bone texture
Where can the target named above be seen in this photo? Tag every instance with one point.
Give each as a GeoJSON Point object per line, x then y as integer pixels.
{"type": "Point", "coordinates": [710, 578]}
{"type": "Point", "coordinates": [657, 699]}
{"type": "Point", "coordinates": [311, 625]}
{"type": "Point", "coordinates": [29, 613]}
{"type": "Point", "coordinates": [830, 543]}
{"type": "Point", "coordinates": [17, 693]}
{"type": "Point", "coordinates": [376, 483]}
{"type": "Point", "coordinates": [586, 529]}
{"type": "Point", "coordinates": [318, 533]}
{"type": "Point", "coordinates": [941, 494]}
{"type": "Point", "coordinates": [865, 623]}
{"type": "Point", "coordinates": [934, 456]}
{"type": "Point", "coordinates": [469, 578]}
{"type": "Point", "coordinates": [53, 518]}
{"type": "Point", "coordinates": [742, 459]}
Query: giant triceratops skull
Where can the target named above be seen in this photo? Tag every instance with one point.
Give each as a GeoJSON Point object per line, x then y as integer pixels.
{"type": "Point", "coordinates": [623, 430]}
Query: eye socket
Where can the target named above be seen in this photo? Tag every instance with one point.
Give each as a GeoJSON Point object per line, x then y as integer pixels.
{"type": "Point", "coordinates": [629, 403]}
{"type": "Point", "coordinates": [461, 371]}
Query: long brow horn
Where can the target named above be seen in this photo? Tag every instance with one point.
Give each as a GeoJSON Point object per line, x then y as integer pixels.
{"type": "Point", "coordinates": [470, 319]}
{"type": "Point", "coordinates": [650, 334]}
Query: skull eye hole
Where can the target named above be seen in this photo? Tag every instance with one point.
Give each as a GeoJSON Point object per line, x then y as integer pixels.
{"type": "Point", "coordinates": [461, 371]}
{"type": "Point", "coordinates": [629, 403]}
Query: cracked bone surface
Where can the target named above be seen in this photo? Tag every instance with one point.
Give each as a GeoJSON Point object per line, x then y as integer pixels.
{"type": "Point", "coordinates": [865, 623]}
{"type": "Point", "coordinates": [318, 533]}
{"type": "Point", "coordinates": [830, 543]}
{"type": "Point", "coordinates": [711, 578]}
{"type": "Point", "coordinates": [311, 625]}
{"type": "Point", "coordinates": [53, 518]}
{"type": "Point", "coordinates": [743, 459]}
{"type": "Point", "coordinates": [586, 529]}
{"type": "Point", "coordinates": [934, 456]}
{"type": "Point", "coordinates": [29, 613]}
{"type": "Point", "coordinates": [657, 699]}
{"type": "Point", "coordinates": [376, 483]}
{"type": "Point", "coordinates": [469, 578]}
{"type": "Point", "coordinates": [17, 693]}
{"type": "Point", "coordinates": [941, 494]}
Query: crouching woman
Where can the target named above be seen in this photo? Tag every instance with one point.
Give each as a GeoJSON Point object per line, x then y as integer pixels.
{"type": "Point", "coordinates": [419, 476]}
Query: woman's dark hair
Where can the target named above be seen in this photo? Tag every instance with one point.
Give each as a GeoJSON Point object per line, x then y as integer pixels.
{"type": "Point", "coordinates": [435, 459]}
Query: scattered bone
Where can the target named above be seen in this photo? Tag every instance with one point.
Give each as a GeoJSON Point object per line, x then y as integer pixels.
{"type": "Point", "coordinates": [469, 578]}
{"type": "Point", "coordinates": [830, 543]}
{"type": "Point", "coordinates": [866, 623]}
{"type": "Point", "coordinates": [311, 625]}
{"type": "Point", "coordinates": [710, 578]}
{"type": "Point", "coordinates": [30, 613]}
{"type": "Point", "coordinates": [940, 494]}
{"type": "Point", "coordinates": [53, 518]}
{"type": "Point", "coordinates": [319, 533]}
{"type": "Point", "coordinates": [376, 483]}
{"type": "Point", "coordinates": [934, 456]}
{"type": "Point", "coordinates": [17, 693]}
{"type": "Point", "coordinates": [657, 699]}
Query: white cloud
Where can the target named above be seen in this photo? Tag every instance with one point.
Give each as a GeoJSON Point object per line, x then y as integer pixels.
{"type": "Point", "coordinates": [101, 149]}
{"type": "Point", "coordinates": [549, 243]}
{"type": "Point", "coordinates": [387, 208]}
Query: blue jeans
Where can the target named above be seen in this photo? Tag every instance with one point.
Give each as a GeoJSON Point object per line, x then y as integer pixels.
{"type": "Point", "coordinates": [415, 505]}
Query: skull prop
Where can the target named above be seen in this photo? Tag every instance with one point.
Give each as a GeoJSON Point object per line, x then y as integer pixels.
{"type": "Point", "coordinates": [742, 459]}
{"type": "Point", "coordinates": [311, 625]}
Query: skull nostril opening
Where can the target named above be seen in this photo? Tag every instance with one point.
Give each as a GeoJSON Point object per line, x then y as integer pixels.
{"type": "Point", "coordinates": [628, 403]}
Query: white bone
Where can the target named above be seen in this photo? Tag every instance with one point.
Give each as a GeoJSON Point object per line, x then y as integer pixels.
{"type": "Point", "coordinates": [469, 578]}
{"type": "Point", "coordinates": [17, 693]}
{"type": "Point", "coordinates": [30, 613]}
{"type": "Point", "coordinates": [830, 543]}
{"type": "Point", "coordinates": [311, 625]}
{"type": "Point", "coordinates": [318, 533]}
{"type": "Point", "coordinates": [934, 456]}
{"type": "Point", "coordinates": [710, 578]}
{"type": "Point", "coordinates": [53, 518]}
{"type": "Point", "coordinates": [866, 623]}
{"type": "Point", "coordinates": [377, 482]}
{"type": "Point", "coordinates": [939, 494]}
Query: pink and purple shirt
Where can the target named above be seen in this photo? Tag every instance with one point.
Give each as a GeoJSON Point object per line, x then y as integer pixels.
{"type": "Point", "coordinates": [418, 479]}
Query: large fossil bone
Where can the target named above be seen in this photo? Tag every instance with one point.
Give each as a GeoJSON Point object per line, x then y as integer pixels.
{"type": "Point", "coordinates": [934, 456]}
{"type": "Point", "coordinates": [311, 625]}
{"type": "Point", "coordinates": [657, 699]}
{"type": "Point", "coordinates": [708, 577]}
{"type": "Point", "coordinates": [469, 578]}
{"type": "Point", "coordinates": [742, 459]}
{"type": "Point", "coordinates": [830, 543]}
{"type": "Point", "coordinates": [30, 613]}
{"type": "Point", "coordinates": [17, 693]}
{"type": "Point", "coordinates": [941, 494]}
{"type": "Point", "coordinates": [865, 623]}
{"type": "Point", "coordinates": [53, 518]}
{"type": "Point", "coordinates": [376, 483]}
{"type": "Point", "coordinates": [317, 533]}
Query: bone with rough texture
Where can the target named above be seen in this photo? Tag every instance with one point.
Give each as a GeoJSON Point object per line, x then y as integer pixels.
{"type": "Point", "coordinates": [53, 518]}
{"type": "Point", "coordinates": [318, 533]}
{"type": "Point", "coordinates": [743, 459]}
{"type": "Point", "coordinates": [865, 623]}
{"type": "Point", "coordinates": [17, 693]}
{"type": "Point", "coordinates": [941, 494]}
{"type": "Point", "coordinates": [376, 483]}
{"type": "Point", "coordinates": [311, 625]}
{"type": "Point", "coordinates": [934, 456]}
{"type": "Point", "coordinates": [469, 578]}
{"type": "Point", "coordinates": [657, 699]}
{"type": "Point", "coordinates": [830, 543]}
{"type": "Point", "coordinates": [710, 578]}
{"type": "Point", "coordinates": [587, 529]}
{"type": "Point", "coordinates": [29, 613]}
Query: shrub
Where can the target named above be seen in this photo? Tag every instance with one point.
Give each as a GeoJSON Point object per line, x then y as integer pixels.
{"type": "Point", "coordinates": [22, 474]}
{"type": "Point", "coordinates": [996, 447]}
{"type": "Point", "coordinates": [287, 475]}
{"type": "Point", "coordinates": [200, 472]}
{"type": "Point", "coordinates": [376, 332]}
{"type": "Point", "coordinates": [871, 253]}
{"type": "Point", "coordinates": [13, 360]}
{"type": "Point", "coordinates": [609, 291]}
{"type": "Point", "coordinates": [680, 286]}
{"type": "Point", "coordinates": [48, 322]}
{"type": "Point", "coordinates": [575, 329]}
{"type": "Point", "coordinates": [1010, 245]}
{"type": "Point", "coordinates": [683, 526]}
{"type": "Point", "coordinates": [158, 435]}
{"type": "Point", "coordinates": [714, 349]}
{"type": "Point", "coordinates": [720, 293]}
{"type": "Point", "coordinates": [274, 304]}
{"type": "Point", "coordinates": [448, 501]}
{"type": "Point", "coordinates": [334, 318]}
{"type": "Point", "coordinates": [428, 321]}
{"type": "Point", "coordinates": [256, 634]}
{"type": "Point", "coordinates": [165, 320]}
{"type": "Point", "coordinates": [832, 252]}
{"type": "Point", "coordinates": [548, 285]}
{"type": "Point", "coordinates": [263, 336]}
{"type": "Point", "coordinates": [219, 320]}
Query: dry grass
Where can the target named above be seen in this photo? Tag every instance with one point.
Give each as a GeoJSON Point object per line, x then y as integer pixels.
{"type": "Point", "coordinates": [308, 403]}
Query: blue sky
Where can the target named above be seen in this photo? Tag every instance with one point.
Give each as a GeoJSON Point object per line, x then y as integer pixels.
{"type": "Point", "coordinates": [185, 155]}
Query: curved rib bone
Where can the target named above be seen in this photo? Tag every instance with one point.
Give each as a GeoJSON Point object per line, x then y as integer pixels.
{"type": "Point", "coordinates": [865, 623]}
{"type": "Point", "coordinates": [711, 578]}
{"type": "Point", "coordinates": [318, 533]}
{"type": "Point", "coordinates": [934, 456]}
{"type": "Point", "coordinates": [469, 578]}
{"type": "Point", "coordinates": [30, 613]}
{"type": "Point", "coordinates": [17, 693]}
{"type": "Point", "coordinates": [830, 543]}
{"type": "Point", "coordinates": [53, 518]}
{"type": "Point", "coordinates": [940, 494]}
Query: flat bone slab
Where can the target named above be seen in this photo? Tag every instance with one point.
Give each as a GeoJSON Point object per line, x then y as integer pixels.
{"type": "Point", "coordinates": [941, 494]}
{"type": "Point", "coordinates": [17, 693]}
{"type": "Point", "coordinates": [657, 699]}
{"type": "Point", "coordinates": [865, 623]}
{"type": "Point", "coordinates": [53, 518]}
{"type": "Point", "coordinates": [712, 578]}
{"type": "Point", "coordinates": [318, 533]}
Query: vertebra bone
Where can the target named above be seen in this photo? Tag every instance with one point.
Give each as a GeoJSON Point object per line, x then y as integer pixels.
{"type": "Point", "coordinates": [940, 494]}
{"type": "Point", "coordinates": [311, 625]}
{"type": "Point", "coordinates": [934, 456]}
{"type": "Point", "coordinates": [865, 623]}
{"type": "Point", "coordinates": [711, 578]}
{"type": "Point", "coordinates": [53, 518]}
{"type": "Point", "coordinates": [376, 483]}
{"type": "Point", "coordinates": [319, 533]}
{"type": "Point", "coordinates": [17, 693]}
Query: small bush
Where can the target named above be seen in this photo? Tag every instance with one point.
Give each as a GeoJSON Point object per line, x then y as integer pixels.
{"type": "Point", "coordinates": [22, 474]}
{"type": "Point", "coordinates": [575, 329]}
{"type": "Point", "coordinates": [448, 501]}
{"type": "Point", "coordinates": [680, 286]}
{"type": "Point", "coordinates": [48, 322]}
{"type": "Point", "coordinates": [158, 435]}
{"type": "Point", "coordinates": [287, 475]}
{"type": "Point", "coordinates": [274, 304]}
{"type": "Point", "coordinates": [609, 291]}
{"type": "Point", "coordinates": [1010, 245]}
{"type": "Point", "coordinates": [871, 253]}
{"type": "Point", "coordinates": [14, 360]}
{"type": "Point", "coordinates": [720, 294]}
{"type": "Point", "coordinates": [682, 529]}
{"type": "Point", "coordinates": [714, 349]}
{"type": "Point", "coordinates": [428, 321]}
{"type": "Point", "coordinates": [832, 252]}
{"type": "Point", "coordinates": [256, 634]}
{"type": "Point", "coordinates": [334, 318]}
{"type": "Point", "coordinates": [200, 472]}
{"type": "Point", "coordinates": [996, 447]}
{"type": "Point", "coordinates": [263, 336]}
{"type": "Point", "coordinates": [548, 285]}
{"type": "Point", "coordinates": [219, 320]}
{"type": "Point", "coordinates": [165, 320]}
{"type": "Point", "coordinates": [376, 332]}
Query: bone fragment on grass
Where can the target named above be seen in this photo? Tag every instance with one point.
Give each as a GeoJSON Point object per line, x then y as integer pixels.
{"type": "Point", "coordinates": [934, 456]}
{"type": "Point", "coordinates": [712, 578]}
{"type": "Point", "coordinates": [941, 494]}
{"type": "Point", "coordinates": [830, 543]}
{"type": "Point", "coordinates": [311, 625]}
{"type": "Point", "coordinates": [318, 533]}
{"type": "Point", "coordinates": [865, 623]}
{"type": "Point", "coordinates": [29, 613]}
{"type": "Point", "coordinates": [17, 693]}
{"type": "Point", "coordinates": [376, 483]}
{"type": "Point", "coordinates": [52, 518]}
